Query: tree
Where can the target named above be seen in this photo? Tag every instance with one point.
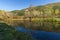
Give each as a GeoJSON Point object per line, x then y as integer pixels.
{"type": "Point", "coordinates": [54, 8]}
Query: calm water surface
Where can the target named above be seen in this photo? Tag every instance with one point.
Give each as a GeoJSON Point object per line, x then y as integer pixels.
{"type": "Point", "coordinates": [41, 35]}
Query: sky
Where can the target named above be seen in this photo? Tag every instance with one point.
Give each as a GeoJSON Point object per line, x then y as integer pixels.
{"type": "Point", "coordinates": [10, 5]}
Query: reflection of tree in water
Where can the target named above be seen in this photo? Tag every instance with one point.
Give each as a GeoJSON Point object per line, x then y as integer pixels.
{"type": "Point", "coordinates": [44, 23]}
{"type": "Point", "coordinates": [48, 25]}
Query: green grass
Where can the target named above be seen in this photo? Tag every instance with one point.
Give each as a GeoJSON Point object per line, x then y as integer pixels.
{"type": "Point", "coordinates": [58, 19]}
{"type": "Point", "coordinates": [47, 19]}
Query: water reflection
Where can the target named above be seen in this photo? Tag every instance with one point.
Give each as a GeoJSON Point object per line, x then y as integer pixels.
{"type": "Point", "coordinates": [40, 24]}
{"type": "Point", "coordinates": [40, 28]}
{"type": "Point", "coordinates": [40, 35]}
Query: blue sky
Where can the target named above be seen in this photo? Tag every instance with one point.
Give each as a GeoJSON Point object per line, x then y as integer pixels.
{"type": "Point", "coordinates": [9, 5]}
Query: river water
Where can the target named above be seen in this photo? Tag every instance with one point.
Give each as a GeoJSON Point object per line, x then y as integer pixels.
{"type": "Point", "coordinates": [40, 35]}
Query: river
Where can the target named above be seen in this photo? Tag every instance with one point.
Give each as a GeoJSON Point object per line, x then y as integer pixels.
{"type": "Point", "coordinates": [40, 35]}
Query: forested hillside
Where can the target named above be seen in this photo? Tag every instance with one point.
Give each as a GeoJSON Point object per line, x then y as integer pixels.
{"type": "Point", "coordinates": [48, 9]}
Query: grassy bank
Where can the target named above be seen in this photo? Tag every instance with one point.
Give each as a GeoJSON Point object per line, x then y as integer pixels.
{"type": "Point", "coordinates": [9, 33]}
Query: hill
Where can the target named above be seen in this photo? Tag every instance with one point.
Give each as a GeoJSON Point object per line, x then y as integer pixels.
{"type": "Point", "coordinates": [19, 12]}
{"type": "Point", "coordinates": [5, 14]}
{"type": "Point", "coordinates": [48, 9]}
